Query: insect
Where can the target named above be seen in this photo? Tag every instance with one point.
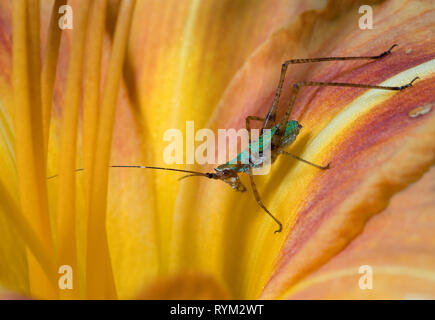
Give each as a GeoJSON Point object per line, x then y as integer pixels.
{"type": "Point", "coordinates": [282, 133]}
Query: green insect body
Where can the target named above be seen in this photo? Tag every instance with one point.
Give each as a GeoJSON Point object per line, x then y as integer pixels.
{"type": "Point", "coordinates": [252, 156]}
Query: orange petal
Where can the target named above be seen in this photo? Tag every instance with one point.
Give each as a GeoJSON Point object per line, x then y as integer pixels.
{"type": "Point", "coordinates": [179, 67]}
{"type": "Point", "coordinates": [398, 245]}
{"type": "Point", "coordinates": [375, 147]}
{"type": "Point", "coordinates": [175, 47]}
{"type": "Point", "coordinates": [228, 233]}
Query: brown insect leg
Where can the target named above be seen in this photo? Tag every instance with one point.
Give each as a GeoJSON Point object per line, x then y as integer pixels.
{"type": "Point", "coordinates": [248, 125]}
{"type": "Point", "coordinates": [297, 86]}
{"type": "Point", "coordinates": [272, 112]}
{"type": "Point", "coordinates": [257, 197]}
{"type": "Point", "coordinates": [305, 161]}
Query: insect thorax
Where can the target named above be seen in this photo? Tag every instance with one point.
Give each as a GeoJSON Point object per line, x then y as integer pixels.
{"type": "Point", "coordinates": [254, 156]}
{"type": "Point", "coordinates": [291, 132]}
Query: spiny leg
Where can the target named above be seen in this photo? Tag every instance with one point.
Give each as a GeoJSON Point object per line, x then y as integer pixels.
{"type": "Point", "coordinates": [257, 197]}
{"type": "Point", "coordinates": [272, 112]}
{"type": "Point", "coordinates": [248, 125]}
{"type": "Point", "coordinates": [303, 160]}
{"type": "Point", "coordinates": [297, 86]}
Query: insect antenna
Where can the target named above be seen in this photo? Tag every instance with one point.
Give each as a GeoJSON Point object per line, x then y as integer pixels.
{"type": "Point", "coordinates": [192, 173]}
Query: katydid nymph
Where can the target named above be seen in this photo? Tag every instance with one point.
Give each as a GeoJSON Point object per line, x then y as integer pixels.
{"type": "Point", "coordinates": [282, 133]}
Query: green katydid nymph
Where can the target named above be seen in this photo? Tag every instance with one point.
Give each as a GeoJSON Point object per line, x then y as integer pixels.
{"type": "Point", "coordinates": [282, 133]}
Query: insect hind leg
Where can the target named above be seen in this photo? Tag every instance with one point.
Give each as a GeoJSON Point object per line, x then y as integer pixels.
{"type": "Point", "coordinates": [248, 125]}
{"type": "Point", "coordinates": [298, 85]}
{"type": "Point", "coordinates": [270, 118]}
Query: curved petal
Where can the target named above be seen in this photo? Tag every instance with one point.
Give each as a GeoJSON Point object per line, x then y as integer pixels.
{"type": "Point", "coordinates": [375, 147]}
{"type": "Point", "coordinates": [398, 245]}
{"type": "Point", "coordinates": [216, 62]}
{"type": "Point", "coordinates": [228, 233]}
{"type": "Point", "coordinates": [174, 48]}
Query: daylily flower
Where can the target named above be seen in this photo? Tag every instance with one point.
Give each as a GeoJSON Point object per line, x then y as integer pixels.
{"type": "Point", "coordinates": [105, 92]}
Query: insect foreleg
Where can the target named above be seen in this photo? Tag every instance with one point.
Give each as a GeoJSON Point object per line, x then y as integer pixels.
{"type": "Point", "coordinates": [260, 203]}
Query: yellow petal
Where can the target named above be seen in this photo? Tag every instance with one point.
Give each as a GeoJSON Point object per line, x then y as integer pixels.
{"type": "Point", "coordinates": [99, 269]}
{"type": "Point", "coordinates": [213, 62]}
{"type": "Point", "coordinates": [184, 286]}
{"type": "Point", "coordinates": [66, 208]}
{"type": "Point", "coordinates": [29, 142]}
{"type": "Point", "coordinates": [172, 51]}
{"type": "Point", "coordinates": [183, 56]}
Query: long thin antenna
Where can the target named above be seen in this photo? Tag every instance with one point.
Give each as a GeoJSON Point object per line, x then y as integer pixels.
{"type": "Point", "coordinates": [195, 175]}
{"type": "Point", "coordinates": [147, 167]}
{"type": "Point", "coordinates": [161, 168]}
